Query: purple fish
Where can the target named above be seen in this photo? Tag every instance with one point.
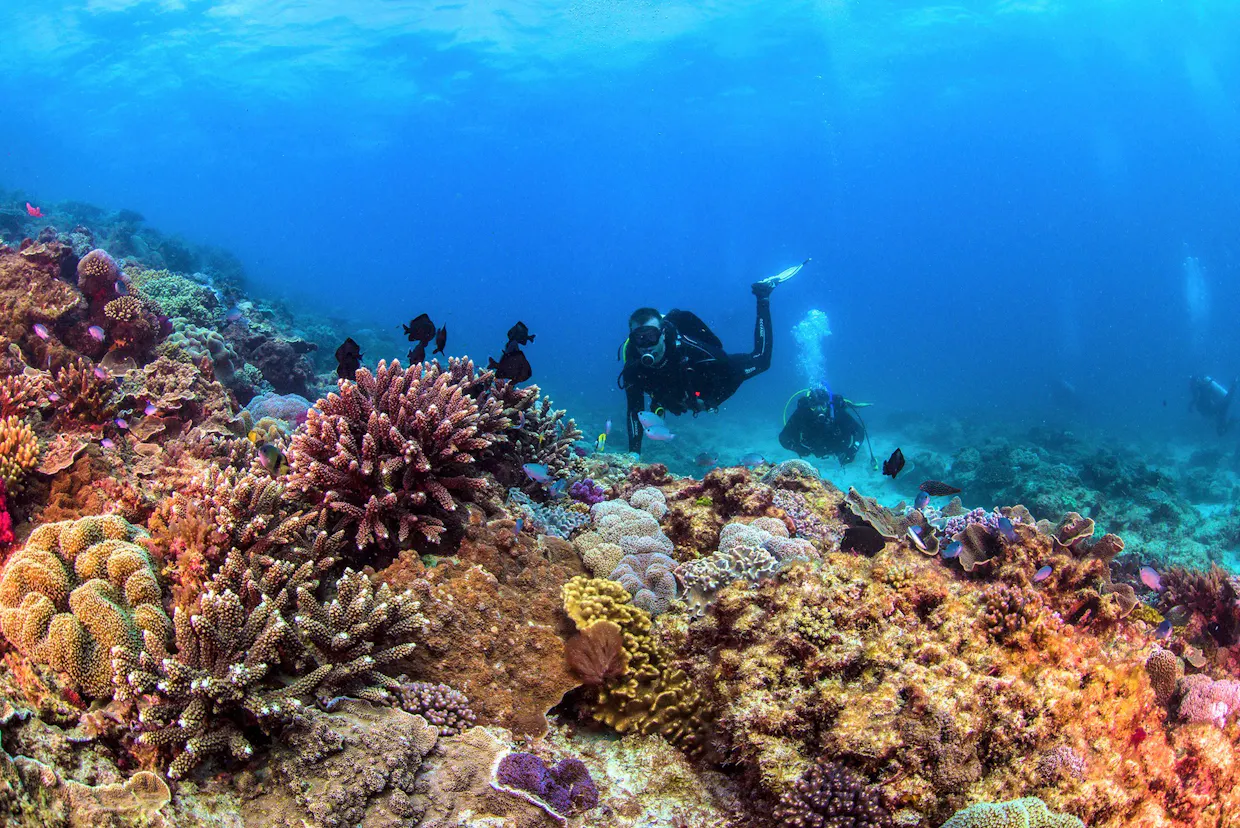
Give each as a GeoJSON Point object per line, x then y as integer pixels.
{"type": "Point", "coordinates": [120, 422]}
{"type": "Point", "coordinates": [150, 410]}
{"type": "Point", "coordinates": [518, 525]}
{"type": "Point", "coordinates": [649, 419]}
{"type": "Point", "coordinates": [607, 428]}
{"type": "Point", "coordinates": [53, 397]}
{"type": "Point", "coordinates": [1151, 578]}
{"type": "Point", "coordinates": [661, 433]}
{"type": "Point", "coordinates": [914, 534]}
{"type": "Point", "coordinates": [521, 420]}
{"type": "Point", "coordinates": [921, 501]}
{"type": "Point", "coordinates": [107, 443]}
{"type": "Point", "coordinates": [1007, 529]}
{"type": "Point", "coordinates": [100, 373]}
{"type": "Point", "coordinates": [1042, 574]}
{"type": "Point", "coordinates": [97, 333]}
{"type": "Point", "coordinates": [40, 330]}
{"type": "Point", "coordinates": [537, 472]}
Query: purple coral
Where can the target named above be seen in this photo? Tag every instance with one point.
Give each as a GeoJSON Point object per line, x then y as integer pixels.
{"type": "Point", "coordinates": [1206, 700]}
{"type": "Point", "coordinates": [444, 707]}
{"type": "Point", "coordinates": [808, 525]}
{"type": "Point", "coordinates": [292, 408]}
{"type": "Point", "coordinates": [650, 578]}
{"type": "Point", "coordinates": [394, 445]}
{"type": "Point", "coordinates": [565, 788]}
{"type": "Point", "coordinates": [587, 491]}
{"type": "Point", "coordinates": [956, 525]}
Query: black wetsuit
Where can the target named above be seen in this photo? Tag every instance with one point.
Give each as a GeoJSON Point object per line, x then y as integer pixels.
{"type": "Point", "coordinates": [814, 430]}
{"type": "Point", "coordinates": [696, 373]}
{"type": "Point", "coordinates": [1208, 398]}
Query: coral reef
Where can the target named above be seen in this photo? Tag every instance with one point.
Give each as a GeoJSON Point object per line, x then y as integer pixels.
{"type": "Point", "coordinates": [553, 519]}
{"type": "Point", "coordinates": [650, 578]}
{"type": "Point", "coordinates": [440, 705]}
{"type": "Point", "coordinates": [1031, 812]}
{"type": "Point", "coordinates": [565, 788]}
{"type": "Point", "coordinates": [19, 451]}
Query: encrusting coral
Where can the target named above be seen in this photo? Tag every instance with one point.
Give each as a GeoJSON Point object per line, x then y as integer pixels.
{"type": "Point", "coordinates": [651, 695]}
{"type": "Point", "coordinates": [77, 594]}
{"type": "Point", "coordinates": [391, 447]}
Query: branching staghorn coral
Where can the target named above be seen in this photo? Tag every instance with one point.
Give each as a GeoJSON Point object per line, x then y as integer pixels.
{"type": "Point", "coordinates": [19, 451]}
{"type": "Point", "coordinates": [393, 445]}
{"type": "Point", "coordinates": [359, 631]}
{"type": "Point", "coordinates": [84, 392]}
{"type": "Point", "coordinates": [543, 435]}
{"type": "Point", "coordinates": [22, 393]}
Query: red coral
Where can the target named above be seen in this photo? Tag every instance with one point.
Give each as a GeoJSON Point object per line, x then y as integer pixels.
{"type": "Point", "coordinates": [393, 446]}
{"type": "Point", "coordinates": [6, 520]}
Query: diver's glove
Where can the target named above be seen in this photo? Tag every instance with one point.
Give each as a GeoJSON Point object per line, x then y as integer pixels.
{"type": "Point", "coordinates": [762, 289]}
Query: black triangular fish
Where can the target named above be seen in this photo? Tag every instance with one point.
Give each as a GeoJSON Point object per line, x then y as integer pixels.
{"type": "Point", "coordinates": [420, 329]}
{"type": "Point", "coordinates": [512, 366]}
{"type": "Point", "coordinates": [348, 359]}
{"type": "Point", "coordinates": [441, 339]}
{"type": "Point", "coordinates": [935, 488]}
{"type": "Point", "coordinates": [417, 353]}
{"type": "Point", "coordinates": [893, 464]}
{"type": "Point", "coordinates": [520, 334]}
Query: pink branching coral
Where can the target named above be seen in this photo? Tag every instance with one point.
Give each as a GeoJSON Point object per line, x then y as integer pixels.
{"type": "Point", "coordinates": [393, 445]}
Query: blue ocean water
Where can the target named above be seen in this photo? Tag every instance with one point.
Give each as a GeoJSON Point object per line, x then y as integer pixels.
{"type": "Point", "coordinates": [997, 196]}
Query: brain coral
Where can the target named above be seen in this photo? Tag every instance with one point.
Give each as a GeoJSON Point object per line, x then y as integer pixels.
{"type": "Point", "coordinates": [1018, 813]}
{"type": "Point", "coordinates": [19, 450]}
{"type": "Point", "coordinates": [76, 590]}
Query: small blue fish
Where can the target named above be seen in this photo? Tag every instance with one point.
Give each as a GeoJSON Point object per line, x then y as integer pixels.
{"type": "Point", "coordinates": [1163, 630]}
{"type": "Point", "coordinates": [914, 534]}
{"type": "Point", "coordinates": [661, 433]}
{"type": "Point", "coordinates": [537, 472]}
{"type": "Point", "coordinates": [234, 314]}
{"type": "Point", "coordinates": [517, 526]}
{"type": "Point", "coordinates": [521, 421]}
{"type": "Point", "coordinates": [557, 488]}
{"type": "Point", "coordinates": [607, 429]}
{"type": "Point", "coordinates": [1042, 574]}
{"type": "Point", "coordinates": [921, 501]}
{"type": "Point", "coordinates": [953, 550]}
{"type": "Point", "coordinates": [649, 419]}
{"type": "Point", "coordinates": [1007, 529]}
{"type": "Point", "coordinates": [707, 460]}
{"type": "Point", "coordinates": [752, 459]}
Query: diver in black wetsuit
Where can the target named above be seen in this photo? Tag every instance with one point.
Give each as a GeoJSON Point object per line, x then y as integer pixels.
{"type": "Point", "coordinates": [1211, 400]}
{"type": "Point", "coordinates": [824, 425]}
{"type": "Point", "coordinates": [681, 364]}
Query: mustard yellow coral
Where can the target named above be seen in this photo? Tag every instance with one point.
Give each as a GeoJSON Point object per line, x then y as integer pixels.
{"type": "Point", "coordinates": [19, 450]}
{"type": "Point", "coordinates": [76, 590]}
{"type": "Point", "coordinates": [651, 697]}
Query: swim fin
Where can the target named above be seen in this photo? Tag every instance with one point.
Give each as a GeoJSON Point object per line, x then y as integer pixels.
{"type": "Point", "coordinates": [785, 275]}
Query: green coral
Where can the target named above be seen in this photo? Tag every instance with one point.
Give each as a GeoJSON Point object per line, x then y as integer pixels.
{"type": "Point", "coordinates": [1030, 812]}
{"type": "Point", "coordinates": [652, 696]}
{"type": "Point", "coordinates": [177, 295]}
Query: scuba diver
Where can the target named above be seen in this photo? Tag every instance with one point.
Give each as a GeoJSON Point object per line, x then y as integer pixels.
{"type": "Point", "coordinates": [1211, 400]}
{"type": "Point", "coordinates": [824, 424]}
{"type": "Point", "coordinates": [681, 364]}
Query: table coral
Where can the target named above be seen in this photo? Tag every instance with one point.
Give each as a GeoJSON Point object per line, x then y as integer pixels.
{"type": "Point", "coordinates": [390, 448]}
{"type": "Point", "coordinates": [77, 593]}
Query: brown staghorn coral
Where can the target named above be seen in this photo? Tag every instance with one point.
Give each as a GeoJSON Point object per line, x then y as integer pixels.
{"type": "Point", "coordinates": [391, 447]}
{"type": "Point", "coordinates": [84, 392]}
{"type": "Point", "coordinates": [539, 433]}
{"type": "Point", "coordinates": [77, 592]}
{"type": "Point", "coordinates": [652, 695]}
{"type": "Point", "coordinates": [22, 393]}
{"type": "Point", "coordinates": [358, 632]}
{"type": "Point", "coordinates": [19, 451]}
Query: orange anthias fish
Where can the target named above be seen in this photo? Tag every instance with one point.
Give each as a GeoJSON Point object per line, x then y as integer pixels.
{"type": "Point", "coordinates": [34, 211]}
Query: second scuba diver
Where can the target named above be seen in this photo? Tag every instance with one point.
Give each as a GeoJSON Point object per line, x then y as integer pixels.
{"type": "Point", "coordinates": [1211, 400]}
{"type": "Point", "coordinates": [681, 364]}
{"type": "Point", "coordinates": [824, 425]}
